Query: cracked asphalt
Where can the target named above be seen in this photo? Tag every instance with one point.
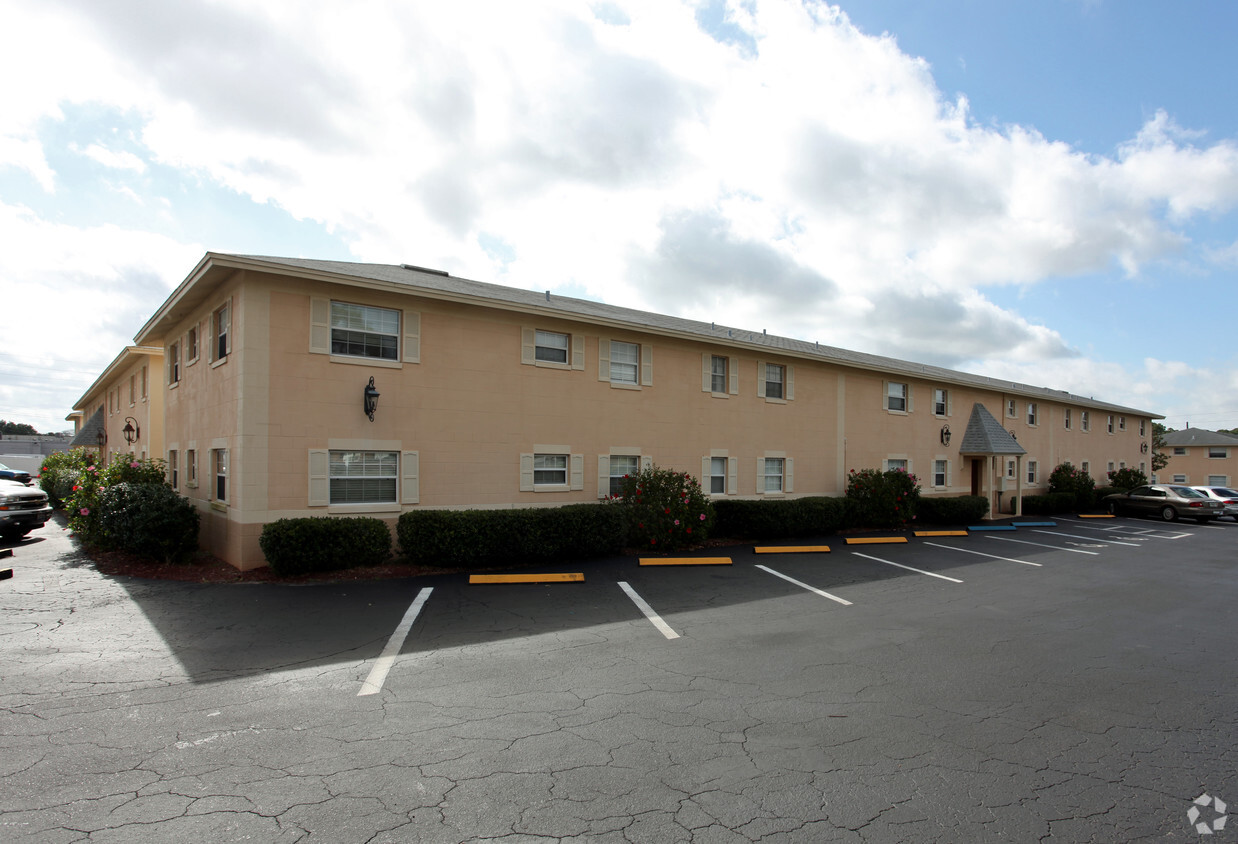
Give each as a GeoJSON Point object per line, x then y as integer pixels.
{"type": "Point", "coordinates": [1087, 698]}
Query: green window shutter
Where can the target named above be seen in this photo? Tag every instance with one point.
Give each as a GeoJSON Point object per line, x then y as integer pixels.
{"type": "Point", "coordinates": [528, 346]}
{"type": "Point", "coordinates": [319, 485]}
{"type": "Point", "coordinates": [412, 337]}
{"type": "Point", "coordinates": [410, 471]}
{"type": "Point", "coordinates": [526, 473]}
{"type": "Point", "coordinates": [320, 326]}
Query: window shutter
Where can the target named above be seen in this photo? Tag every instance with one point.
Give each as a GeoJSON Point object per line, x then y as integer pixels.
{"type": "Point", "coordinates": [790, 370]}
{"type": "Point", "coordinates": [603, 359]}
{"type": "Point", "coordinates": [646, 462]}
{"type": "Point", "coordinates": [320, 326]}
{"type": "Point", "coordinates": [788, 481]}
{"type": "Point", "coordinates": [949, 474]}
{"type": "Point", "coordinates": [318, 483]}
{"type": "Point", "coordinates": [885, 395]}
{"type": "Point", "coordinates": [526, 473]}
{"type": "Point", "coordinates": [412, 336]}
{"type": "Point", "coordinates": [707, 373]}
{"type": "Point", "coordinates": [732, 475]}
{"type": "Point", "coordinates": [761, 379]}
{"type": "Point", "coordinates": [528, 346]}
{"type": "Point", "coordinates": [578, 352]}
{"type": "Point", "coordinates": [410, 476]}
{"type": "Point", "coordinates": [646, 365]}
{"type": "Point", "coordinates": [760, 476]}
{"type": "Point", "coordinates": [707, 466]}
{"type": "Point", "coordinates": [603, 475]}
{"type": "Point", "coordinates": [227, 324]}
{"type": "Point", "coordinates": [910, 393]}
{"type": "Point", "coordinates": [577, 478]}
{"type": "Point", "coordinates": [733, 368]}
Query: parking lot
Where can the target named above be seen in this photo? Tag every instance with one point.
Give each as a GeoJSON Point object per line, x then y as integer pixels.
{"type": "Point", "coordinates": [1072, 680]}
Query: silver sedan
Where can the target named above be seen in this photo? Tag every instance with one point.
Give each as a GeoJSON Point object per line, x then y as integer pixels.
{"type": "Point", "coordinates": [1227, 497]}
{"type": "Point", "coordinates": [1168, 501]}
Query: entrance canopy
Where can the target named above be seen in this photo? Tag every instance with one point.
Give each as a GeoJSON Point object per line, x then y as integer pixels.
{"type": "Point", "coordinates": [986, 436]}
{"type": "Point", "coordinates": [984, 442]}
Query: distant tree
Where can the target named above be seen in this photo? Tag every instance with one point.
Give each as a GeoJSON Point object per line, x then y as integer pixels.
{"type": "Point", "coordinates": [7, 427]}
{"type": "Point", "coordinates": [1159, 458]}
{"type": "Point", "coordinates": [1233, 431]}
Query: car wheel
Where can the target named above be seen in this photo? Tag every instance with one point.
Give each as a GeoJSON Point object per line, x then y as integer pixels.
{"type": "Point", "coordinates": [16, 533]}
{"type": "Point", "coordinates": [1113, 509]}
{"type": "Point", "coordinates": [1169, 514]}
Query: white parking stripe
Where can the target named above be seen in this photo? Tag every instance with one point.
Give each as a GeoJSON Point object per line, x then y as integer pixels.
{"type": "Point", "coordinates": [1043, 545]}
{"type": "Point", "coordinates": [909, 568]}
{"type": "Point", "coordinates": [1089, 538]}
{"type": "Point", "coordinates": [820, 592]}
{"type": "Point", "coordinates": [378, 674]}
{"type": "Point", "coordinates": [982, 554]}
{"type": "Point", "coordinates": [648, 611]}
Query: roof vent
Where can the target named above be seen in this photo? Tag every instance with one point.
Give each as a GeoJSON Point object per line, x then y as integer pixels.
{"type": "Point", "coordinates": [547, 295]}
{"type": "Point", "coordinates": [418, 269]}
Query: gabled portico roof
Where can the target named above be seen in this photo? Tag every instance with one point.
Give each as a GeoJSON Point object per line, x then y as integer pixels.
{"type": "Point", "coordinates": [985, 435]}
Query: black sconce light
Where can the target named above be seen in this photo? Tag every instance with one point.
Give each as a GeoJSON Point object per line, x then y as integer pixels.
{"type": "Point", "coordinates": [1143, 448]}
{"type": "Point", "coordinates": [131, 430]}
{"type": "Point", "coordinates": [945, 435]}
{"type": "Point", "coordinates": [371, 399]}
{"type": "Point", "coordinates": [1013, 435]}
{"type": "Point", "coordinates": [101, 437]}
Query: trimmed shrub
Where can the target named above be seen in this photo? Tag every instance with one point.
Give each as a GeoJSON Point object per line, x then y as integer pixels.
{"type": "Point", "coordinates": [325, 543]}
{"type": "Point", "coordinates": [1066, 478]}
{"type": "Point", "coordinates": [882, 499]}
{"type": "Point", "coordinates": [957, 510]}
{"type": "Point", "coordinates": [1127, 479]}
{"type": "Point", "coordinates": [147, 519]}
{"type": "Point", "coordinates": [666, 510]}
{"type": "Point", "coordinates": [1048, 505]}
{"type": "Point", "coordinates": [480, 538]}
{"type": "Point", "coordinates": [780, 517]}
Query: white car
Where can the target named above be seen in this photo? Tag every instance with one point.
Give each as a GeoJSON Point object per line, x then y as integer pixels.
{"type": "Point", "coordinates": [1225, 495]}
{"type": "Point", "coordinates": [22, 509]}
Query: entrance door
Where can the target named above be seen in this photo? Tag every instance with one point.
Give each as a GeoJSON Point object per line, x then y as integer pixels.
{"type": "Point", "coordinates": [976, 465]}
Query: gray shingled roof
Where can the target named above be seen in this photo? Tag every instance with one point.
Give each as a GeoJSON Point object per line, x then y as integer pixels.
{"type": "Point", "coordinates": [985, 435]}
{"type": "Point", "coordinates": [89, 434]}
{"type": "Point", "coordinates": [1199, 436]}
{"type": "Point", "coordinates": [532, 301]}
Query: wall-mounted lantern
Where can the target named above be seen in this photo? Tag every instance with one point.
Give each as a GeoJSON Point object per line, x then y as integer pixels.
{"type": "Point", "coordinates": [370, 400]}
{"type": "Point", "coordinates": [945, 435]}
{"type": "Point", "coordinates": [1143, 447]}
{"type": "Point", "coordinates": [101, 437]}
{"type": "Point", "coordinates": [131, 430]}
{"type": "Point", "coordinates": [1013, 435]}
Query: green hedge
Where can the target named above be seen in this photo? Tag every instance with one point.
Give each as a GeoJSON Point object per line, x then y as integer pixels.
{"type": "Point", "coordinates": [300, 546]}
{"type": "Point", "coordinates": [1051, 504]}
{"type": "Point", "coordinates": [478, 538]}
{"type": "Point", "coordinates": [149, 519]}
{"type": "Point", "coordinates": [958, 510]}
{"type": "Point", "coordinates": [781, 517]}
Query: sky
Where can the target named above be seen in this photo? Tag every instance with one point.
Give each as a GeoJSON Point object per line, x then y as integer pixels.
{"type": "Point", "coordinates": [1037, 191]}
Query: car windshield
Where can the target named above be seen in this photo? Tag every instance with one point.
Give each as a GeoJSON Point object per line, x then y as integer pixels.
{"type": "Point", "coordinates": [1224, 492]}
{"type": "Point", "coordinates": [2, 466]}
{"type": "Point", "coordinates": [1187, 492]}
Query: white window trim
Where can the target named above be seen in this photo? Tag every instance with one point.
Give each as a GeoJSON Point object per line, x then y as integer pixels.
{"type": "Point", "coordinates": [644, 365]}
{"type": "Point", "coordinates": [731, 483]}
{"type": "Point", "coordinates": [575, 469]}
{"type": "Point", "coordinates": [707, 375]}
{"type": "Point", "coordinates": [885, 397]}
{"type": "Point", "coordinates": [949, 473]}
{"type": "Point", "coordinates": [788, 382]}
{"type": "Point", "coordinates": [216, 358]}
{"type": "Point", "coordinates": [528, 349]}
{"type": "Point", "coordinates": [949, 397]}
{"type": "Point", "coordinates": [788, 474]}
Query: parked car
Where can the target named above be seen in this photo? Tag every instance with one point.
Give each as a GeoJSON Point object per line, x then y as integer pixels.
{"type": "Point", "coordinates": [1227, 497]}
{"type": "Point", "coordinates": [1169, 501]}
{"type": "Point", "coordinates": [22, 509]}
{"type": "Point", "coordinates": [18, 475]}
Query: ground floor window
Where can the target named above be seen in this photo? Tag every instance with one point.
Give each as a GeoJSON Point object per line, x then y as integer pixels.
{"type": "Point", "coordinates": [219, 464]}
{"type": "Point", "coordinates": [549, 470]}
{"type": "Point", "coordinates": [774, 474]}
{"type": "Point", "coordinates": [1179, 479]}
{"type": "Point", "coordinates": [717, 475]}
{"type": "Point", "coordinates": [1218, 480]}
{"type": "Point", "coordinates": [1031, 471]}
{"type": "Point", "coordinates": [622, 465]}
{"type": "Point", "coordinates": [363, 477]}
{"type": "Point", "coordinates": [939, 472]}
{"type": "Point", "coordinates": [173, 473]}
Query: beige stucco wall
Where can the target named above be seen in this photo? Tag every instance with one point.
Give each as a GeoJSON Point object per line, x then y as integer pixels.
{"type": "Point", "coordinates": [470, 408]}
{"type": "Point", "coordinates": [1198, 467]}
{"type": "Point", "coordinates": [129, 389]}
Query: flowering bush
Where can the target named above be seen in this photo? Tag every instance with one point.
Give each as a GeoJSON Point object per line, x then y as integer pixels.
{"type": "Point", "coordinates": [60, 471]}
{"type": "Point", "coordinates": [667, 510]}
{"type": "Point", "coordinates": [91, 481]}
{"type": "Point", "coordinates": [1067, 479]}
{"type": "Point", "coordinates": [882, 499]}
{"type": "Point", "coordinates": [1127, 479]}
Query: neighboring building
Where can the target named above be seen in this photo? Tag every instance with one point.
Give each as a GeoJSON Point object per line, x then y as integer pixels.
{"type": "Point", "coordinates": [497, 397]}
{"type": "Point", "coordinates": [129, 394]}
{"type": "Point", "coordinates": [1200, 457]}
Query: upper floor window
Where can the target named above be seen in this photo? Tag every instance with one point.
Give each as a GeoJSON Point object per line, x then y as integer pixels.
{"type": "Point", "coordinates": [1218, 451]}
{"type": "Point", "coordinates": [717, 374]}
{"type": "Point", "coordinates": [191, 345]}
{"type": "Point", "coordinates": [624, 362]}
{"type": "Point", "coordinates": [132, 388]}
{"type": "Point", "coordinates": [941, 402]}
{"type": "Point", "coordinates": [896, 396]}
{"type": "Point", "coordinates": [1180, 450]}
{"type": "Point", "coordinates": [1109, 423]}
{"type": "Point", "coordinates": [1031, 413]}
{"type": "Point", "coordinates": [221, 329]}
{"type": "Point", "coordinates": [775, 381]}
{"type": "Point", "coordinates": [1066, 418]}
{"type": "Point", "coordinates": [1011, 408]}
{"type": "Point", "coordinates": [174, 363]}
{"type": "Point", "coordinates": [1121, 423]}
{"type": "Point", "coordinates": [1085, 421]}
{"type": "Point", "coordinates": [550, 346]}
{"type": "Point", "coordinates": [1142, 428]}
{"type": "Point", "coordinates": [363, 331]}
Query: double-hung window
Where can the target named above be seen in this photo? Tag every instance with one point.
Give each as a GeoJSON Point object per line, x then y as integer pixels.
{"type": "Point", "coordinates": [1066, 418]}
{"type": "Point", "coordinates": [191, 467]}
{"type": "Point", "coordinates": [191, 345]}
{"type": "Point", "coordinates": [1180, 450]}
{"type": "Point", "coordinates": [621, 466]}
{"type": "Point", "coordinates": [896, 465]}
{"type": "Point", "coordinates": [1011, 408]}
{"type": "Point", "coordinates": [551, 346]}
{"type": "Point", "coordinates": [1109, 424]}
{"type": "Point", "coordinates": [219, 464]}
{"type": "Point", "coordinates": [775, 381]}
{"type": "Point", "coordinates": [174, 469]}
{"type": "Point", "coordinates": [221, 329]}
{"type": "Point", "coordinates": [1085, 421]}
{"type": "Point", "coordinates": [1031, 471]}
{"type": "Point", "coordinates": [1218, 451]}
{"type": "Point", "coordinates": [717, 374]}
{"type": "Point", "coordinates": [941, 402]}
{"type": "Point", "coordinates": [775, 467]}
{"type": "Point", "coordinates": [939, 472]}
{"type": "Point", "coordinates": [549, 470]}
{"type": "Point", "coordinates": [1031, 413]}
{"type": "Point", "coordinates": [174, 363]}
{"type": "Point", "coordinates": [717, 475]}
{"type": "Point", "coordinates": [896, 396]}
{"type": "Point", "coordinates": [624, 362]}
{"type": "Point", "coordinates": [363, 477]}
{"type": "Point", "coordinates": [364, 331]}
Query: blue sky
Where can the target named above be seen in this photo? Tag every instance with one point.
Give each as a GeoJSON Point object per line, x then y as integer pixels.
{"type": "Point", "coordinates": [1042, 191]}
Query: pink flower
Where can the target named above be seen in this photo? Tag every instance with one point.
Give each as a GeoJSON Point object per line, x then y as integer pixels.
{"type": "Point", "coordinates": [133, 465]}
{"type": "Point", "coordinates": [702, 517]}
{"type": "Point", "coordinates": [85, 511]}
{"type": "Point", "coordinates": [677, 522]}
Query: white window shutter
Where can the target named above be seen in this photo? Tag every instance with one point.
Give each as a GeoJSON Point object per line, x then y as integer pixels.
{"type": "Point", "coordinates": [603, 359]}
{"type": "Point", "coordinates": [885, 395]}
{"type": "Point", "coordinates": [760, 379]}
{"type": "Point", "coordinates": [320, 326]}
{"type": "Point", "coordinates": [578, 352]}
{"type": "Point", "coordinates": [790, 383]}
{"type": "Point", "coordinates": [577, 478]}
{"type": "Point", "coordinates": [646, 462]}
{"type": "Point", "coordinates": [526, 473]}
{"type": "Point", "coordinates": [707, 373]}
{"type": "Point", "coordinates": [412, 336]}
{"type": "Point", "coordinates": [760, 476]}
{"type": "Point", "coordinates": [949, 474]}
{"type": "Point", "coordinates": [603, 475]}
{"type": "Point", "coordinates": [910, 393]}
{"type": "Point", "coordinates": [646, 365]}
{"type": "Point", "coordinates": [319, 485]}
{"type": "Point", "coordinates": [707, 467]}
{"type": "Point", "coordinates": [732, 475]}
{"type": "Point", "coordinates": [788, 481]}
{"type": "Point", "coordinates": [733, 368]}
{"type": "Point", "coordinates": [410, 477]}
{"type": "Point", "coordinates": [528, 346]}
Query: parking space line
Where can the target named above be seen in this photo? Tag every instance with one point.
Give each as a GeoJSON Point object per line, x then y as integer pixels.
{"type": "Point", "coordinates": [982, 554]}
{"type": "Point", "coordinates": [1044, 545]}
{"type": "Point", "coordinates": [813, 589]}
{"type": "Point", "coordinates": [909, 568]}
{"type": "Point", "coordinates": [378, 674]}
{"type": "Point", "coordinates": [1089, 538]}
{"type": "Point", "coordinates": [648, 611]}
